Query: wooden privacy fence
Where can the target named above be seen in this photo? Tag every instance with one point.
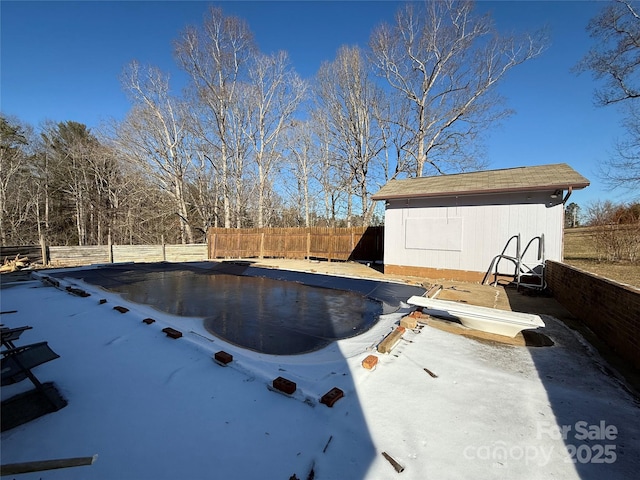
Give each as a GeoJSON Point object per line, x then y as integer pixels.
{"type": "Point", "coordinates": [92, 254]}
{"type": "Point", "coordinates": [355, 243]}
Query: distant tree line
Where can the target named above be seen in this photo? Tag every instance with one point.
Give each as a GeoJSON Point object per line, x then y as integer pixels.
{"type": "Point", "coordinates": [249, 143]}
{"type": "Point", "coordinates": [602, 213]}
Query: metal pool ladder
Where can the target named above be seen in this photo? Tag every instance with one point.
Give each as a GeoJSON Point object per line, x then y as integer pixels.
{"type": "Point", "coordinates": [524, 275]}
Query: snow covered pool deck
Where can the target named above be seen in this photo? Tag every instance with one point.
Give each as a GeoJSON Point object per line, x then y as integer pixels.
{"type": "Point", "coordinates": [156, 408]}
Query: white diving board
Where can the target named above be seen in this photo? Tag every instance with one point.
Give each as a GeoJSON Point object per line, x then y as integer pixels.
{"type": "Point", "coordinates": [491, 320]}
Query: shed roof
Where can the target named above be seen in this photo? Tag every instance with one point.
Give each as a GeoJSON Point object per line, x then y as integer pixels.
{"type": "Point", "coordinates": [559, 176]}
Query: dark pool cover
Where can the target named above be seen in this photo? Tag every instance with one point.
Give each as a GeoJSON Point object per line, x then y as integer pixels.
{"type": "Point", "coordinates": [266, 310]}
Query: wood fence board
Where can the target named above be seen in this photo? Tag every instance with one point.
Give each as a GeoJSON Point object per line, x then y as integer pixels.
{"type": "Point", "coordinates": [96, 254]}
{"type": "Point", "coordinates": [137, 253]}
{"type": "Point", "coordinates": [186, 253]}
{"type": "Point", "coordinates": [78, 255]}
{"type": "Point", "coordinates": [356, 243]}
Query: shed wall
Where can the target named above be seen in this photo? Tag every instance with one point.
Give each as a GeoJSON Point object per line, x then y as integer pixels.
{"type": "Point", "coordinates": [466, 233]}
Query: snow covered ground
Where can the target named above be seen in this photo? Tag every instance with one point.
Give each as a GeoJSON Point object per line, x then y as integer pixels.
{"type": "Point", "coordinates": [156, 408]}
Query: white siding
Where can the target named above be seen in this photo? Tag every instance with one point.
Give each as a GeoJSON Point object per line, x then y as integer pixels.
{"type": "Point", "coordinates": [484, 224]}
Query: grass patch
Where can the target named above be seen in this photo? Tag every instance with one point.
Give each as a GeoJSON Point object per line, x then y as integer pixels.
{"type": "Point", "coordinates": [580, 252]}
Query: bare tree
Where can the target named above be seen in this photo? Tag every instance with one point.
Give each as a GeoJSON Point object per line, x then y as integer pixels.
{"type": "Point", "coordinates": [108, 184]}
{"type": "Point", "coordinates": [622, 168]}
{"type": "Point", "coordinates": [614, 59]}
{"type": "Point", "coordinates": [146, 211]}
{"type": "Point", "coordinates": [203, 188]}
{"type": "Point", "coordinates": [207, 175]}
{"type": "Point", "coordinates": [239, 143]}
{"type": "Point", "coordinates": [302, 162]}
{"type": "Point", "coordinates": [16, 195]}
{"type": "Point", "coordinates": [276, 93]}
{"type": "Point", "coordinates": [215, 56]}
{"type": "Point", "coordinates": [329, 172]}
{"type": "Point", "coordinates": [71, 152]}
{"type": "Point", "coordinates": [136, 209]}
{"type": "Point", "coordinates": [155, 133]}
{"type": "Point", "coordinates": [444, 62]}
{"type": "Point", "coordinates": [391, 115]}
{"type": "Point", "coordinates": [349, 97]}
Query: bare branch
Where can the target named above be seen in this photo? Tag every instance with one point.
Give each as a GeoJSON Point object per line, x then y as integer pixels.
{"type": "Point", "coordinates": [446, 62]}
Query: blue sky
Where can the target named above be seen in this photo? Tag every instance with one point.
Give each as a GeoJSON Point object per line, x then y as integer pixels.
{"type": "Point", "coordinates": [62, 61]}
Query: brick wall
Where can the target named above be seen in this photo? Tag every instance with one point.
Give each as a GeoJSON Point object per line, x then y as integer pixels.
{"type": "Point", "coordinates": [610, 309]}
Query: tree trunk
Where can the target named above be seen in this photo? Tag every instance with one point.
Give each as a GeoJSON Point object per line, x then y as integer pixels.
{"type": "Point", "coordinates": [305, 187]}
{"type": "Point", "coordinates": [186, 233]}
{"type": "Point", "coordinates": [261, 187]}
{"type": "Point", "coordinates": [226, 203]}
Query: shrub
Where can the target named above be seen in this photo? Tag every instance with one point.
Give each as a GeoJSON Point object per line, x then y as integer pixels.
{"type": "Point", "coordinates": [616, 235]}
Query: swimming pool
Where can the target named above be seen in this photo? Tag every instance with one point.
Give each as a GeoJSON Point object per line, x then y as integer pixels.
{"type": "Point", "coordinates": [265, 310]}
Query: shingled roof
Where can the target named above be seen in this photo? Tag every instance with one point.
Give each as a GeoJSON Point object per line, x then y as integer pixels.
{"type": "Point", "coordinates": [559, 176]}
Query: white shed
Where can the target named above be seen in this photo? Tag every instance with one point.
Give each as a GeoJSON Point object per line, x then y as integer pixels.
{"type": "Point", "coordinates": [454, 226]}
